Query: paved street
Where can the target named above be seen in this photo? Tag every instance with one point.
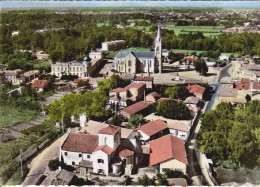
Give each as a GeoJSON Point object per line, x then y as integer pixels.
{"type": "Point", "coordinates": [39, 163]}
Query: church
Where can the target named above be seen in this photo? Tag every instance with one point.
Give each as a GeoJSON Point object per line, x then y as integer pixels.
{"type": "Point", "coordinates": [132, 62]}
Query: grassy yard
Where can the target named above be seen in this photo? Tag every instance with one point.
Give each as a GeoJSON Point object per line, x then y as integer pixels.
{"type": "Point", "coordinates": [206, 30]}
{"type": "Point", "coordinates": [10, 115]}
{"type": "Point", "coordinates": [144, 28]}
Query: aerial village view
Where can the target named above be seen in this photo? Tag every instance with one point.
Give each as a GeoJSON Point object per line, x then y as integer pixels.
{"type": "Point", "coordinates": [147, 96]}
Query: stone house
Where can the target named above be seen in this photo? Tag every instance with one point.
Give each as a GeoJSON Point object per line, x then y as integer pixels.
{"type": "Point", "coordinates": [40, 85]}
{"type": "Point", "coordinates": [141, 107]}
{"type": "Point", "coordinates": [148, 81]}
{"type": "Point", "coordinates": [197, 90]}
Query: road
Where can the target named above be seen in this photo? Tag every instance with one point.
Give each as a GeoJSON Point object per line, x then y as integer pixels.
{"type": "Point", "coordinates": [195, 170]}
{"type": "Point", "coordinates": [40, 162]}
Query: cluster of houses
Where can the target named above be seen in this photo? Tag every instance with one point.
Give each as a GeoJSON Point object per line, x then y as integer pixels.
{"type": "Point", "coordinates": [104, 149]}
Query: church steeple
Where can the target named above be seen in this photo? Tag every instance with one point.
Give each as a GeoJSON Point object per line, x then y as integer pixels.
{"type": "Point", "coordinates": [158, 48]}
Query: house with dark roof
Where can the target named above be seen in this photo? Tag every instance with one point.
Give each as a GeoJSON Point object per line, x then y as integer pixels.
{"type": "Point", "coordinates": [168, 153]}
{"type": "Point", "coordinates": [103, 152]}
{"type": "Point", "coordinates": [152, 130]}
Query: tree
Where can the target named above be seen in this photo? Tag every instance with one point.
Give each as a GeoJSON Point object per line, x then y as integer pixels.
{"type": "Point", "coordinates": [201, 67]}
{"type": "Point", "coordinates": [173, 110]}
{"type": "Point", "coordinates": [177, 92]}
{"type": "Point", "coordinates": [161, 179]}
{"type": "Point", "coordinates": [115, 120]}
{"type": "Point", "coordinates": [54, 164]}
{"type": "Point", "coordinates": [135, 120]}
{"type": "Point", "coordinates": [145, 181]}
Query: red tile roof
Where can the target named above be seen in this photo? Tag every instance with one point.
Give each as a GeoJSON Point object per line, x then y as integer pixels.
{"type": "Point", "coordinates": [141, 78]}
{"type": "Point", "coordinates": [167, 99]}
{"type": "Point", "coordinates": [130, 86]}
{"type": "Point", "coordinates": [111, 130]}
{"type": "Point", "coordinates": [193, 59]}
{"type": "Point", "coordinates": [166, 148]}
{"type": "Point", "coordinates": [39, 83]}
{"type": "Point", "coordinates": [256, 85]}
{"type": "Point", "coordinates": [124, 152]}
{"type": "Point", "coordinates": [244, 84]}
{"type": "Point", "coordinates": [196, 88]}
{"type": "Point", "coordinates": [77, 142]}
{"type": "Point", "coordinates": [152, 127]}
{"type": "Point", "coordinates": [137, 107]}
{"type": "Point", "coordinates": [106, 149]}
{"type": "Point", "coordinates": [80, 80]}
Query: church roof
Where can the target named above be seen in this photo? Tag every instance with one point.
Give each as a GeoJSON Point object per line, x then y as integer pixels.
{"type": "Point", "coordinates": [137, 54]}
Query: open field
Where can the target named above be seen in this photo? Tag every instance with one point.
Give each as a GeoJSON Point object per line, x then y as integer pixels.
{"type": "Point", "coordinates": [186, 51]}
{"type": "Point", "coordinates": [138, 20]}
{"type": "Point", "coordinates": [10, 116]}
{"type": "Point", "coordinates": [206, 30]}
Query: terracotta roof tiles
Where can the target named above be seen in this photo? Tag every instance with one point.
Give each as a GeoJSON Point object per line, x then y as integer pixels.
{"type": "Point", "coordinates": [111, 130]}
{"type": "Point", "coordinates": [166, 148]}
{"type": "Point", "coordinates": [106, 149]}
{"type": "Point", "coordinates": [196, 88]}
{"type": "Point", "coordinates": [77, 142]}
{"type": "Point", "coordinates": [39, 83]}
{"type": "Point", "coordinates": [135, 108]}
{"type": "Point", "coordinates": [152, 127]}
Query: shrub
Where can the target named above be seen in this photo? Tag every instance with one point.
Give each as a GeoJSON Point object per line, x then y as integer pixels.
{"type": "Point", "coordinates": [54, 164]}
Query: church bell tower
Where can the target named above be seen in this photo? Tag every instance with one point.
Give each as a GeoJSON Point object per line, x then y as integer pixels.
{"type": "Point", "coordinates": [158, 48]}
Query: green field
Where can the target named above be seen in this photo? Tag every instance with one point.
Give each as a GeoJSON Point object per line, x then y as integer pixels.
{"type": "Point", "coordinates": [10, 116]}
{"type": "Point", "coordinates": [187, 51]}
{"type": "Point", "coordinates": [206, 30]}
{"type": "Point", "coordinates": [138, 20]}
{"type": "Point", "coordinates": [103, 24]}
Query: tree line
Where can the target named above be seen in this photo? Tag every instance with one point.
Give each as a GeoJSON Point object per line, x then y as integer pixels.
{"type": "Point", "coordinates": [229, 133]}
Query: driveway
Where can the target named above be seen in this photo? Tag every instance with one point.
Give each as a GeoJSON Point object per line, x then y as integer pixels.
{"type": "Point", "coordinates": [40, 163]}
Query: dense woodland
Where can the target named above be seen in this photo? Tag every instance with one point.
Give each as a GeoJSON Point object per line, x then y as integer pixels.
{"type": "Point", "coordinates": [229, 133]}
{"type": "Point", "coordinates": [71, 36]}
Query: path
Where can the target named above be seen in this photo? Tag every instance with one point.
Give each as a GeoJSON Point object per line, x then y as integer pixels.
{"type": "Point", "coordinates": [40, 119]}
{"type": "Point", "coordinates": [40, 162]}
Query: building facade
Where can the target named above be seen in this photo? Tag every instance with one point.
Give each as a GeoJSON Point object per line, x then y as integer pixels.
{"type": "Point", "coordinates": [132, 62]}
{"type": "Point", "coordinates": [113, 45]}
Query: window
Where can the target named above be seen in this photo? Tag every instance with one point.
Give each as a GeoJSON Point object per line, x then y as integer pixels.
{"type": "Point", "coordinates": [66, 153]}
{"type": "Point", "coordinates": [73, 163]}
{"type": "Point", "coordinates": [101, 161]}
{"type": "Point", "coordinates": [129, 63]}
{"type": "Point", "coordinates": [88, 156]}
{"type": "Point", "coordinates": [80, 155]}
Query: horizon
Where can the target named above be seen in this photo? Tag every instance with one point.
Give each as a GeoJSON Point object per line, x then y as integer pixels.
{"type": "Point", "coordinates": [128, 4]}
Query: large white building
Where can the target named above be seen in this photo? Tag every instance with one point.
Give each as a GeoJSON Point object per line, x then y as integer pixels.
{"type": "Point", "coordinates": [81, 69]}
{"type": "Point", "coordinates": [133, 62]}
{"type": "Point", "coordinates": [107, 151]}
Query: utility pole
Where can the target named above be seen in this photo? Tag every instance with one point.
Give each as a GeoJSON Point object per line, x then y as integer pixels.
{"type": "Point", "coordinates": [21, 163]}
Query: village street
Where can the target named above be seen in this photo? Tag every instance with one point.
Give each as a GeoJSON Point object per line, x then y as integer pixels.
{"type": "Point", "coordinates": [40, 162]}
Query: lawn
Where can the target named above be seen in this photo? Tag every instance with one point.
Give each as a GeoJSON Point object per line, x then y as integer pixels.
{"type": "Point", "coordinates": [10, 115]}
{"type": "Point", "coordinates": [138, 20]}
{"type": "Point", "coordinates": [103, 24]}
{"type": "Point", "coordinates": [187, 51]}
{"type": "Point", "coordinates": [144, 28]}
{"type": "Point", "coordinates": [206, 30]}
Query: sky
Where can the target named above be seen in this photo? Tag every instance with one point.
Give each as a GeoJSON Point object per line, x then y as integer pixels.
{"type": "Point", "coordinates": [8, 4]}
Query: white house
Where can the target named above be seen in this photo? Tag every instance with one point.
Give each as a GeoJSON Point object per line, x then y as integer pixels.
{"type": "Point", "coordinates": [101, 153]}
{"type": "Point", "coordinates": [224, 57]}
{"type": "Point", "coordinates": [180, 130]}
